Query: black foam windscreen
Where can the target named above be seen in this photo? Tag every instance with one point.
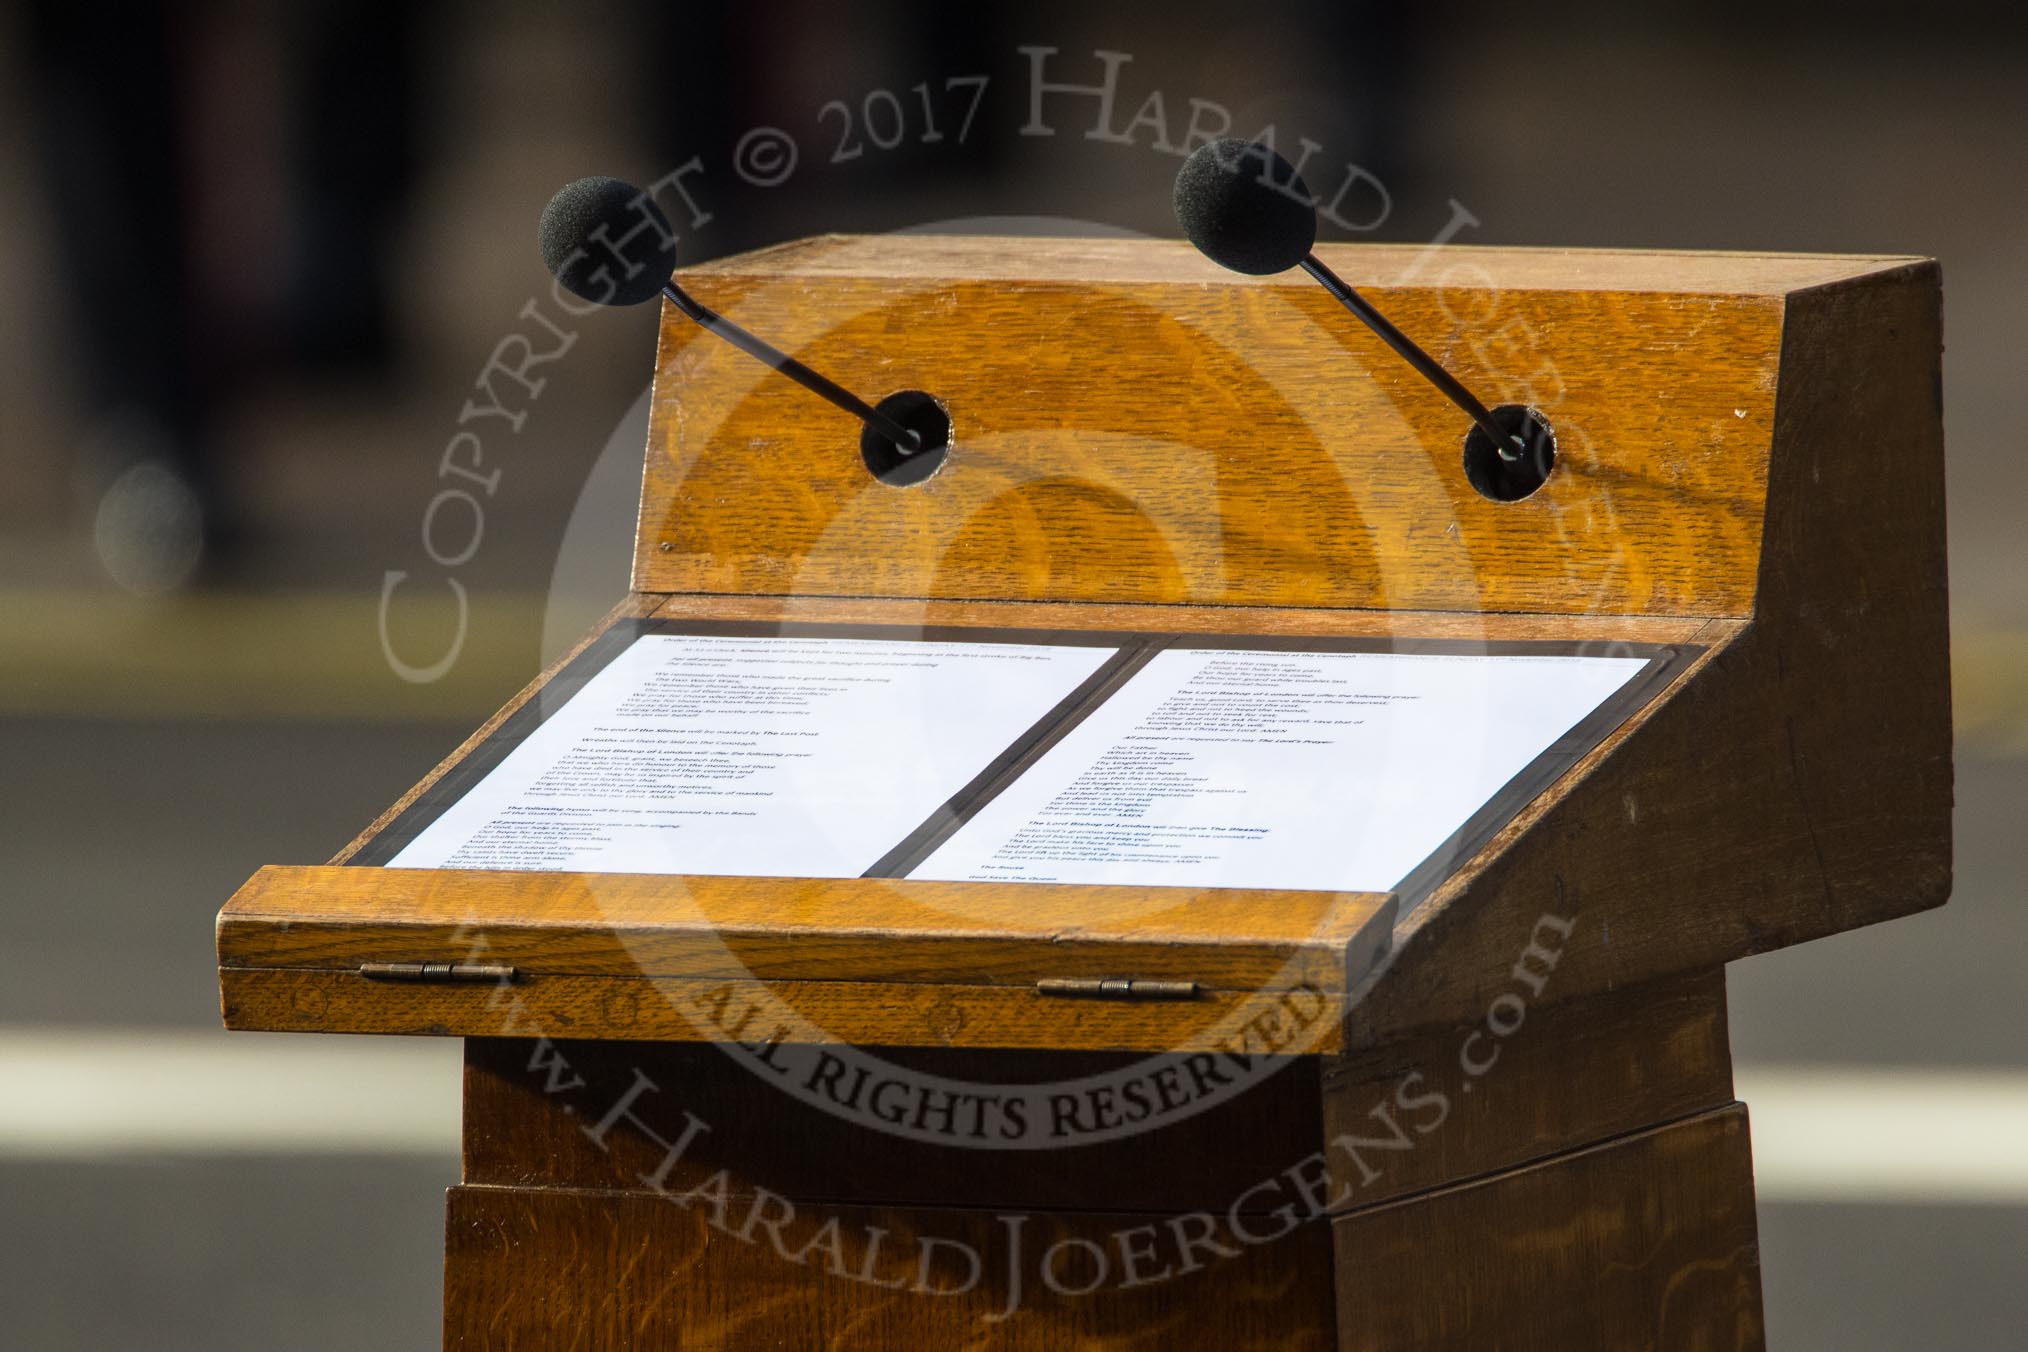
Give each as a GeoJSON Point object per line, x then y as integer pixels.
{"type": "Point", "coordinates": [607, 242]}
{"type": "Point", "coordinates": [1245, 207]}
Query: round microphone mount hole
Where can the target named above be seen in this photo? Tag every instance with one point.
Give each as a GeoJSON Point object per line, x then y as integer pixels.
{"type": "Point", "coordinates": [1512, 476]}
{"type": "Point", "coordinates": [921, 414]}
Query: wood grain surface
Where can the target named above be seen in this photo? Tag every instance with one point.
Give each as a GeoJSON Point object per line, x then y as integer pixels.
{"type": "Point", "coordinates": [1798, 782]}
{"type": "Point", "coordinates": [1524, 1081]}
{"type": "Point", "coordinates": [922, 1013]}
{"type": "Point", "coordinates": [859, 959]}
{"type": "Point", "coordinates": [527, 1104]}
{"type": "Point", "coordinates": [1644, 1244]}
{"type": "Point", "coordinates": [1180, 434]}
{"type": "Point", "coordinates": [1718, 272]}
{"type": "Point", "coordinates": [604, 1271]}
{"type": "Point", "coordinates": [807, 928]}
{"type": "Point", "coordinates": [1293, 622]}
{"type": "Point", "coordinates": [1794, 783]}
{"type": "Point", "coordinates": [1749, 459]}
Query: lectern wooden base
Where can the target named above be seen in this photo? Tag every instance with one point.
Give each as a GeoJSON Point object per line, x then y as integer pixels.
{"type": "Point", "coordinates": [1596, 1192]}
{"type": "Point", "coordinates": [1508, 1119]}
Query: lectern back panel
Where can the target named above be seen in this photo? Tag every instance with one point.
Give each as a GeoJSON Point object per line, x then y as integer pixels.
{"type": "Point", "coordinates": [1133, 424]}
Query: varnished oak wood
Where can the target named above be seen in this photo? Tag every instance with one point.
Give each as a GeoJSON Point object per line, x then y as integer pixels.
{"type": "Point", "coordinates": [1718, 272]}
{"type": "Point", "coordinates": [555, 1268]}
{"type": "Point", "coordinates": [1245, 444]}
{"type": "Point", "coordinates": [1798, 783]}
{"type": "Point", "coordinates": [1855, 355]}
{"type": "Point", "coordinates": [860, 959]}
{"type": "Point", "coordinates": [1647, 1243]}
{"type": "Point", "coordinates": [527, 1103]}
{"type": "Point", "coordinates": [1750, 462]}
{"type": "Point", "coordinates": [1487, 627]}
{"type": "Point", "coordinates": [1484, 1096]}
{"type": "Point", "coordinates": [682, 1009]}
{"type": "Point", "coordinates": [796, 928]}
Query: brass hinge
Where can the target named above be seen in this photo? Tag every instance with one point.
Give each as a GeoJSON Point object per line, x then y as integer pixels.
{"type": "Point", "coordinates": [436, 972]}
{"type": "Point", "coordinates": [1117, 988]}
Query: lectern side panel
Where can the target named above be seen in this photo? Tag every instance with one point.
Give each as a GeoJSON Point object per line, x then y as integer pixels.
{"type": "Point", "coordinates": [1855, 657]}
{"type": "Point", "coordinates": [1645, 1244]}
{"type": "Point", "coordinates": [1207, 441]}
{"type": "Point", "coordinates": [1490, 1094]}
{"type": "Point", "coordinates": [1800, 783]}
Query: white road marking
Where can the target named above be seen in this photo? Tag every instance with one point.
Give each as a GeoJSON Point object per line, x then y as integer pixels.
{"type": "Point", "coordinates": [1820, 1133]}
{"type": "Point", "coordinates": [1868, 1134]}
{"type": "Point", "coordinates": [84, 1093]}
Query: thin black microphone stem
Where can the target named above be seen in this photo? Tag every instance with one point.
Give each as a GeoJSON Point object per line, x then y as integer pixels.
{"type": "Point", "coordinates": [1508, 445]}
{"type": "Point", "coordinates": [905, 440]}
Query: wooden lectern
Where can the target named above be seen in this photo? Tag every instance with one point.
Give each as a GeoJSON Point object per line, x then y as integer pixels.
{"type": "Point", "coordinates": [1501, 1110]}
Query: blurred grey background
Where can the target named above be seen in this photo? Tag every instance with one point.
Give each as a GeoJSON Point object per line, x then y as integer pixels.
{"type": "Point", "coordinates": [253, 256]}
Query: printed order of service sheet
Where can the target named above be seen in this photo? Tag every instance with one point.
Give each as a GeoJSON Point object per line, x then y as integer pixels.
{"type": "Point", "coordinates": [770, 757]}
{"type": "Point", "coordinates": [1333, 771]}
{"type": "Point", "coordinates": [817, 757]}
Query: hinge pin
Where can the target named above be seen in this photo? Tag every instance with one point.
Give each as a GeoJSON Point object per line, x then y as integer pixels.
{"type": "Point", "coordinates": [1117, 988]}
{"type": "Point", "coordinates": [437, 972]}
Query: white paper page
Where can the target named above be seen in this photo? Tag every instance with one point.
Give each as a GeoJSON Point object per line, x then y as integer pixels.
{"type": "Point", "coordinates": [799, 757]}
{"type": "Point", "coordinates": [1327, 771]}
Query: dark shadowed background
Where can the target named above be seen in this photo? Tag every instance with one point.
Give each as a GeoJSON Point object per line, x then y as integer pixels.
{"type": "Point", "coordinates": [254, 255]}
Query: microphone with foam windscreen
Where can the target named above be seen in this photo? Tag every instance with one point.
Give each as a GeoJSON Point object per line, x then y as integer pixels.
{"type": "Point", "coordinates": [607, 242]}
{"type": "Point", "coordinates": [1247, 209]}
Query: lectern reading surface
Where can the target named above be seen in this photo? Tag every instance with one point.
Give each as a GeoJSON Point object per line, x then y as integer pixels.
{"type": "Point", "coordinates": [1684, 702]}
{"type": "Point", "coordinates": [1034, 759]}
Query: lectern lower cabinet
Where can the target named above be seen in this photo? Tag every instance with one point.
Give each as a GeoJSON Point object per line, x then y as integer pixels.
{"type": "Point", "coordinates": [1482, 1101]}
